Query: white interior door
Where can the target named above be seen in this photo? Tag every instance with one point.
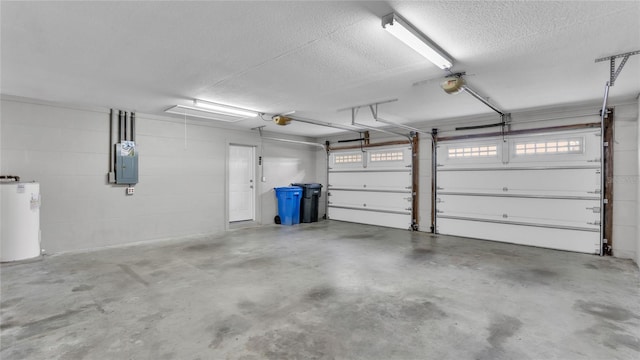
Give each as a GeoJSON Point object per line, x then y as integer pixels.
{"type": "Point", "coordinates": [241, 183]}
{"type": "Point", "coordinates": [538, 189]}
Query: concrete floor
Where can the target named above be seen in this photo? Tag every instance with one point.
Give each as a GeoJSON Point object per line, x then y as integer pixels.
{"type": "Point", "coordinates": [327, 290]}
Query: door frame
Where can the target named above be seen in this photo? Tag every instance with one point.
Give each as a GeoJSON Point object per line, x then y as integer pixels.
{"type": "Point", "coordinates": [256, 185]}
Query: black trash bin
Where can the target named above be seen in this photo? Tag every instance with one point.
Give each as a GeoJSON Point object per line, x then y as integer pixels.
{"type": "Point", "coordinates": [309, 205]}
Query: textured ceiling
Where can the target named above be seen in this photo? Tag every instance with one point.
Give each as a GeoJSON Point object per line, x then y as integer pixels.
{"type": "Point", "coordinates": [314, 57]}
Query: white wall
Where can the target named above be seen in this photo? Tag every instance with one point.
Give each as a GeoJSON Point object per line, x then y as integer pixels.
{"type": "Point", "coordinates": [638, 188]}
{"type": "Point", "coordinates": [181, 190]}
{"type": "Point", "coordinates": [424, 176]}
{"type": "Point", "coordinates": [625, 181]}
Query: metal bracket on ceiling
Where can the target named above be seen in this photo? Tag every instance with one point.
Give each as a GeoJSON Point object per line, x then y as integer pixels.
{"type": "Point", "coordinates": [613, 72]}
{"type": "Point", "coordinates": [370, 104]}
{"type": "Point", "coordinates": [374, 112]}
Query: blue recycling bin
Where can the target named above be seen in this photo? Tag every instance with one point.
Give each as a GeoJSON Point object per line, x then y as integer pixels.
{"type": "Point", "coordinates": [289, 204]}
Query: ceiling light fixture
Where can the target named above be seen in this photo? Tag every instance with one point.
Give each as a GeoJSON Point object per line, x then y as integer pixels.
{"type": "Point", "coordinates": [224, 109]}
{"type": "Point", "coordinates": [413, 38]}
{"type": "Point", "coordinates": [202, 113]}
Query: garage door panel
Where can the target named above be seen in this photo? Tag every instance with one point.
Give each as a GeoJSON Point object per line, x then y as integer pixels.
{"type": "Point", "coordinates": [556, 212]}
{"type": "Point", "coordinates": [528, 182]}
{"type": "Point", "coordinates": [398, 180]}
{"type": "Point", "coordinates": [570, 240]}
{"type": "Point", "coordinates": [541, 190]}
{"type": "Point", "coordinates": [377, 200]}
{"type": "Point", "coordinates": [398, 221]}
{"type": "Point", "coordinates": [373, 186]}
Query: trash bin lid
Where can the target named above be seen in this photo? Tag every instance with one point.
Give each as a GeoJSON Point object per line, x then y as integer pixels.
{"type": "Point", "coordinates": [288, 188]}
{"type": "Point", "coordinates": [309, 185]}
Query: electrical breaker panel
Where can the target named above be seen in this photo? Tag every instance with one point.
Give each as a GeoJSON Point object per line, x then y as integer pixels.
{"type": "Point", "coordinates": [126, 163]}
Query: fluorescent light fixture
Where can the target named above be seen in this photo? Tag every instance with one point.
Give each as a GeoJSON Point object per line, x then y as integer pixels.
{"type": "Point", "coordinates": [224, 109]}
{"type": "Point", "coordinates": [413, 38]}
{"type": "Point", "coordinates": [201, 113]}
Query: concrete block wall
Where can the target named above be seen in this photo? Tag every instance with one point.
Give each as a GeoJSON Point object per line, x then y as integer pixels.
{"type": "Point", "coordinates": [182, 185]}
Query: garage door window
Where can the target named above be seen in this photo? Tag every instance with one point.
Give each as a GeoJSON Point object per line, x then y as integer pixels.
{"type": "Point", "coordinates": [387, 156]}
{"type": "Point", "coordinates": [562, 146]}
{"type": "Point", "coordinates": [472, 151]}
{"type": "Point", "coordinates": [348, 158]}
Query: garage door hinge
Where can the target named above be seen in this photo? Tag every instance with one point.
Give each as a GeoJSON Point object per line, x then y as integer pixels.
{"type": "Point", "coordinates": [409, 198]}
{"type": "Point", "coordinates": [439, 211]}
{"type": "Point", "coordinates": [439, 165]}
{"type": "Point", "coordinates": [597, 222]}
{"type": "Point", "coordinates": [595, 209]}
{"type": "Point", "coordinates": [439, 201]}
{"type": "Point", "coordinates": [408, 166]}
{"type": "Point", "coordinates": [408, 187]}
{"type": "Point", "coordinates": [596, 191]}
{"type": "Point", "coordinates": [594, 160]}
{"type": "Point", "coordinates": [408, 209]}
{"type": "Point", "coordinates": [439, 188]}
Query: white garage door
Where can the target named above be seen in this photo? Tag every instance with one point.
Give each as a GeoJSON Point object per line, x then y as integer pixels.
{"type": "Point", "coordinates": [371, 186]}
{"type": "Point", "coordinates": [540, 190]}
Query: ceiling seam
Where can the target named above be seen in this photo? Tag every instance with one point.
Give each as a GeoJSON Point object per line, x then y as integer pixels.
{"type": "Point", "coordinates": [279, 56]}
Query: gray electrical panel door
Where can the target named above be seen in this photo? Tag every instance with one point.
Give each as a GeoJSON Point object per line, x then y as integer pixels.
{"type": "Point", "coordinates": [126, 163]}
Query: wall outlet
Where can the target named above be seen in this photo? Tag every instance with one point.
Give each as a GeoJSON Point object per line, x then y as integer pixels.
{"type": "Point", "coordinates": [130, 191]}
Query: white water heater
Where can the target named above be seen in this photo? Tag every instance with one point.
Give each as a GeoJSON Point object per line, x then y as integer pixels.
{"type": "Point", "coordinates": [20, 234]}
